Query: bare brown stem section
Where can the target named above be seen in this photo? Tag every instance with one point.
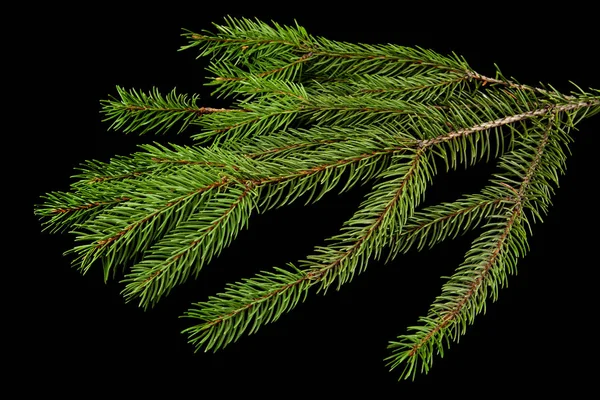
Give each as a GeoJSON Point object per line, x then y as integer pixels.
{"type": "Point", "coordinates": [485, 80]}
{"type": "Point", "coordinates": [508, 120]}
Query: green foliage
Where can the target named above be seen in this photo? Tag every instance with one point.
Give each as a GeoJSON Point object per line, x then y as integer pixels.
{"type": "Point", "coordinates": [310, 116]}
{"type": "Point", "coordinates": [138, 111]}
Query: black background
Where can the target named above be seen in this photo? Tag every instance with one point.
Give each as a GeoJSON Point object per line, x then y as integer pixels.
{"type": "Point", "coordinates": [75, 329]}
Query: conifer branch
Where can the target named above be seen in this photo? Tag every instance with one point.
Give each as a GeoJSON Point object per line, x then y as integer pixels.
{"type": "Point", "coordinates": [64, 210]}
{"type": "Point", "coordinates": [357, 244]}
{"type": "Point", "coordinates": [493, 255]}
{"type": "Point", "coordinates": [328, 264]}
{"type": "Point", "coordinates": [138, 111]}
{"type": "Point", "coordinates": [168, 263]}
{"type": "Point", "coordinates": [309, 116]}
{"type": "Point", "coordinates": [437, 223]}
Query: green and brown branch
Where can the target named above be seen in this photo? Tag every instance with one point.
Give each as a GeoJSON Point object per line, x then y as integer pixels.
{"type": "Point", "coordinates": [312, 115]}
{"type": "Point", "coordinates": [493, 256]}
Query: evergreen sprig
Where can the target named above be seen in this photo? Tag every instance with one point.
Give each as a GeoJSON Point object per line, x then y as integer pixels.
{"type": "Point", "coordinates": [143, 112]}
{"type": "Point", "coordinates": [309, 116]}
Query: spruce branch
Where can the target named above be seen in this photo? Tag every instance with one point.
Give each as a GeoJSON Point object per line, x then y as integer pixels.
{"type": "Point", "coordinates": [362, 234]}
{"type": "Point", "coordinates": [434, 224]}
{"type": "Point", "coordinates": [492, 257]}
{"type": "Point", "coordinates": [136, 111]}
{"type": "Point", "coordinates": [309, 116]}
{"type": "Point", "coordinates": [189, 246]}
